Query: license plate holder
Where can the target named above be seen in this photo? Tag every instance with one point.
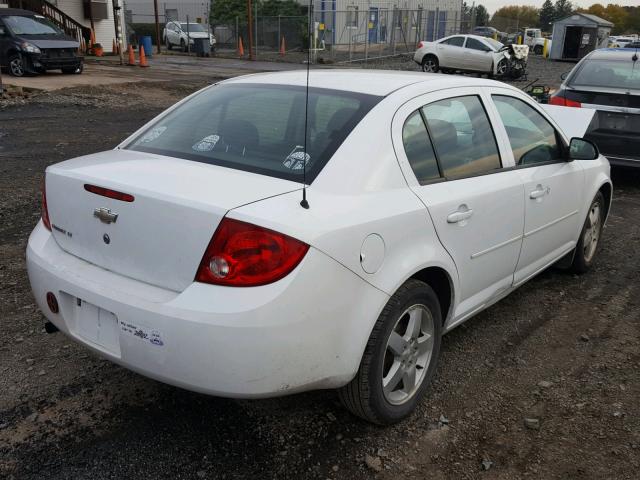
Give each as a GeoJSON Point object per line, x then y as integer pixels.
{"type": "Point", "coordinates": [97, 325]}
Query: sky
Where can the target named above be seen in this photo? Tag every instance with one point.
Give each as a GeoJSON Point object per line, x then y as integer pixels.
{"type": "Point", "coordinates": [493, 5]}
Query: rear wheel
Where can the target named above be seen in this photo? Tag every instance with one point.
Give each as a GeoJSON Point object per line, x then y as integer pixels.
{"type": "Point", "coordinates": [168, 43]}
{"type": "Point", "coordinates": [587, 246]}
{"type": "Point", "coordinates": [430, 64]}
{"type": "Point", "coordinates": [400, 357]}
{"type": "Point", "coordinates": [16, 65]}
{"type": "Point", "coordinates": [183, 45]}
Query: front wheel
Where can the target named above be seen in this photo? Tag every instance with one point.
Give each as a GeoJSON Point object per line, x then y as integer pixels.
{"type": "Point", "coordinates": [16, 65]}
{"type": "Point", "coordinates": [538, 49]}
{"type": "Point", "coordinates": [502, 68]}
{"type": "Point", "coordinates": [183, 45]}
{"type": "Point", "coordinates": [587, 246]}
{"type": "Point", "coordinates": [400, 357]}
{"type": "Point", "coordinates": [430, 64]}
{"type": "Point", "coordinates": [77, 70]}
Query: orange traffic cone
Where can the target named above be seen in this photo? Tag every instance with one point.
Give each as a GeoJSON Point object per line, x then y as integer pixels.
{"type": "Point", "coordinates": [143, 58]}
{"type": "Point", "coordinates": [132, 57]}
{"type": "Point", "coordinates": [282, 47]}
{"type": "Point", "coordinates": [240, 47]}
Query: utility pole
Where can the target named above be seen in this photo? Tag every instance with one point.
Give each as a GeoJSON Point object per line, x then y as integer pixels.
{"type": "Point", "coordinates": [252, 55]}
{"type": "Point", "coordinates": [155, 11]}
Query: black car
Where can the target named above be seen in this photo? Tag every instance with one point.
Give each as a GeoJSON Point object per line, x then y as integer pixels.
{"type": "Point", "coordinates": [608, 81]}
{"type": "Point", "coordinates": [29, 43]}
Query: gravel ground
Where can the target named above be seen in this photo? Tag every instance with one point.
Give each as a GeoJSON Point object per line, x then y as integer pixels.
{"type": "Point", "coordinates": [545, 384]}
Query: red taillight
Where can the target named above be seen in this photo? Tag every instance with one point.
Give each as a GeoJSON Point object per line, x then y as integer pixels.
{"type": "Point", "coordinates": [45, 211]}
{"type": "Point", "coordinates": [107, 192]}
{"type": "Point", "coordinates": [420, 44]}
{"type": "Point", "coordinates": [564, 102]}
{"type": "Point", "coordinates": [244, 255]}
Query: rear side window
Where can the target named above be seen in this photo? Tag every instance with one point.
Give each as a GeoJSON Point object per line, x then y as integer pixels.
{"type": "Point", "coordinates": [418, 149]}
{"type": "Point", "coordinates": [454, 41]}
{"type": "Point", "coordinates": [462, 136]}
{"type": "Point", "coordinates": [533, 139]}
{"type": "Point", "coordinates": [258, 128]}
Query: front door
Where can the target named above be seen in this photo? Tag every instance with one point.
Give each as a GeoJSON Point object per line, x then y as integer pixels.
{"type": "Point", "coordinates": [553, 186]}
{"type": "Point", "coordinates": [476, 205]}
{"type": "Point", "coordinates": [478, 56]}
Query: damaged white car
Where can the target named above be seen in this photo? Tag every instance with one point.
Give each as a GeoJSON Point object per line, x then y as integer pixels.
{"type": "Point", "coordinates": [227, 249]}
{"type": "Point", "coordinates": [472, 53]}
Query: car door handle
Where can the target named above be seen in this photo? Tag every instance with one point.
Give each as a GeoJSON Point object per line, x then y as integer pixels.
{"type": "Point", "coordinates": [461, 215]}
{"type": "Point", "coordinates": [540, 191]}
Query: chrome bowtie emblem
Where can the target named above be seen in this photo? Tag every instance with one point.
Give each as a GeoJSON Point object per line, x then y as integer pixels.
{"type": "Point", "coordinates": [105, 215]}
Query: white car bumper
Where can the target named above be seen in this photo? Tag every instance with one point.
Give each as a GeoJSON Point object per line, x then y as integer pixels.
{"type": "Point", "coordinates": [306, 331]}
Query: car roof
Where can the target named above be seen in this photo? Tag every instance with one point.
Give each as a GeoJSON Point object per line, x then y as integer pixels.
{"type": "Point", "coordinates": [611, 54]}
{"type": "Point", "coordinates": [8, 12]}
{"type": "Point", "coordinates": [371, 82]}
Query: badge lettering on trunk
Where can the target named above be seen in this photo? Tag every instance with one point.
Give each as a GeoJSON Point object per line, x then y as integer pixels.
{"type": "Point", "coordinates": [105, 215]}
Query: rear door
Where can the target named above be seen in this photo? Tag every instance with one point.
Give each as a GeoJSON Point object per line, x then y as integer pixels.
{"type": "Point", "coordinates": [553, 186]}
{"type": "Point", "coordinates": [449, 153]}
{"type": "Point", "coordinates": [5, 38]}
{"type": "Point", "coordinates": [450, 52]}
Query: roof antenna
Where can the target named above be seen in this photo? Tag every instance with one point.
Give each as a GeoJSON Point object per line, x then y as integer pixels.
{"type": "Point", "coordinates": [304, 203]}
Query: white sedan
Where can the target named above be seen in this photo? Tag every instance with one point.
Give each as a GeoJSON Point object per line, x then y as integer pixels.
{"type": "Point", "coordinates": [187, 255]}
{"type": "Point", "coordinates": [465, 53]}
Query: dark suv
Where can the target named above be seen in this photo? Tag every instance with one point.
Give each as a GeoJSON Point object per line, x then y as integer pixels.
{"type": "Point", "coordinates": [29, 43]}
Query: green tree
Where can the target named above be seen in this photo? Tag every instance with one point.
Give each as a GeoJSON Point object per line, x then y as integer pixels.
{"type": "Point", "coordinates": [514, 18]}
{"type": "Point", "coordinates": [226, 11]}
{"type": "Point", "coordinates": [280, 7]}
{"type": "Point", "coordinates": [482, 16]}
{"type": "Point", "coordinates": [563, 8]}
{"type": "Point", "coordinates": [547, 15]}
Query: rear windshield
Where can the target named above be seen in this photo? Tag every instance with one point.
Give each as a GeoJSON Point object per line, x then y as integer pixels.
{"type": "Point", "coordinates": [258, 128]}
{"type": "Point", "coordinates": [608, 73]}
{"type": "Point", "coordinates": [30, 25]}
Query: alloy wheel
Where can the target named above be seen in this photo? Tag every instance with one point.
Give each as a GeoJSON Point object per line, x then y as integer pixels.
{"type": "Point", "coordinates": [408, 354]}
{"type": "Point", "coordinates": [502, 68]}
{"type": "Point", "coordinates": [430, 66]}
{"type": "Point", "coordinates": [592, 232]}
{"type": "Point", "coordinates": [16, 66]}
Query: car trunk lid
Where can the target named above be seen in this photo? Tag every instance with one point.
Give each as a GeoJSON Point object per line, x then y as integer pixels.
{"type": "Point", "coordinates": [161, 235]}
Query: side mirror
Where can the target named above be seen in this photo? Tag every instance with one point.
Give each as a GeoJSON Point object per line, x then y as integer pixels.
{"type": "Point", "coordinates": [581, 149]}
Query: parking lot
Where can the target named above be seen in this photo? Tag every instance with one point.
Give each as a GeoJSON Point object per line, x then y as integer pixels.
{"type": "Point", "coordinates": [563, 349]}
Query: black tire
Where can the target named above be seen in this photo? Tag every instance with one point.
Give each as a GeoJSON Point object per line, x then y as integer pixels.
{"type": "Point", "coordinates": [183, 45]}
{"type": "Point", "coordinates": [77, 70]}
{"type": "Point", "coordinates": [16, 66]}
{"type": "Point", "coordinates": [502, 69]}
{"type": "Point", "coordinates": [364, 395]}
{"type": "Point", "coordinates": [168, 44]}
{"type": "Point", "coordinates": [430, 64]}
{"type": "Point", "coordinates": [538, 49]}
{"type": "Point", "coordinates": [585, 252]}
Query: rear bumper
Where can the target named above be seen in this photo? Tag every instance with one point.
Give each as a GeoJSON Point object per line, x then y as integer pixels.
{"type": "Point", "coordinates": [306, 331]}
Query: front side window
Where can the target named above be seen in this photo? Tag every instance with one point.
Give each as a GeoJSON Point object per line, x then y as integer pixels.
{"type": "Point", "coordinates": [474, 44]}
{"type": "Point", "coordinates": [258, 128]}
{"type": "Point", "coordinates": [454, 41]}
{"type": "Point", "coordinates": [417, 147]}
{"type": "Point", "coordinates": [533, 139]}
{"type": "Point", "coordinates": [462, 136]}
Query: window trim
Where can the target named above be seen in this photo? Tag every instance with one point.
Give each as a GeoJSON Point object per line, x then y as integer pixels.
{"type": "Point", "coordinates": [426, 129]}
{"type": "Point", "coordinates": [493, 133]}
{"type": "Point", "coordinates": [558, 135]}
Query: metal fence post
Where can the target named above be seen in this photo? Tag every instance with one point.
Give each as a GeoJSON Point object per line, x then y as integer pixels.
{"type": "Point", "coordinates": [237, 34]}
{"type": "Point", "coordinates": [366, 39]}
{"type": "Point", "coordinates": [255, 6]}
{"type": "Point", "coordinates": [188, 37]}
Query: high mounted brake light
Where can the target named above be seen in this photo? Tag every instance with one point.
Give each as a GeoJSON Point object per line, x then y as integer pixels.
{"type": "Point", "coordinates": [107, 192]}
{"type": "Point", "coordinates": [244, 255]}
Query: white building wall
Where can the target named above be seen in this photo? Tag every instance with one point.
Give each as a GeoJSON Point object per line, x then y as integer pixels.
{"type": "Point", "coordinates": [104, 30]}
